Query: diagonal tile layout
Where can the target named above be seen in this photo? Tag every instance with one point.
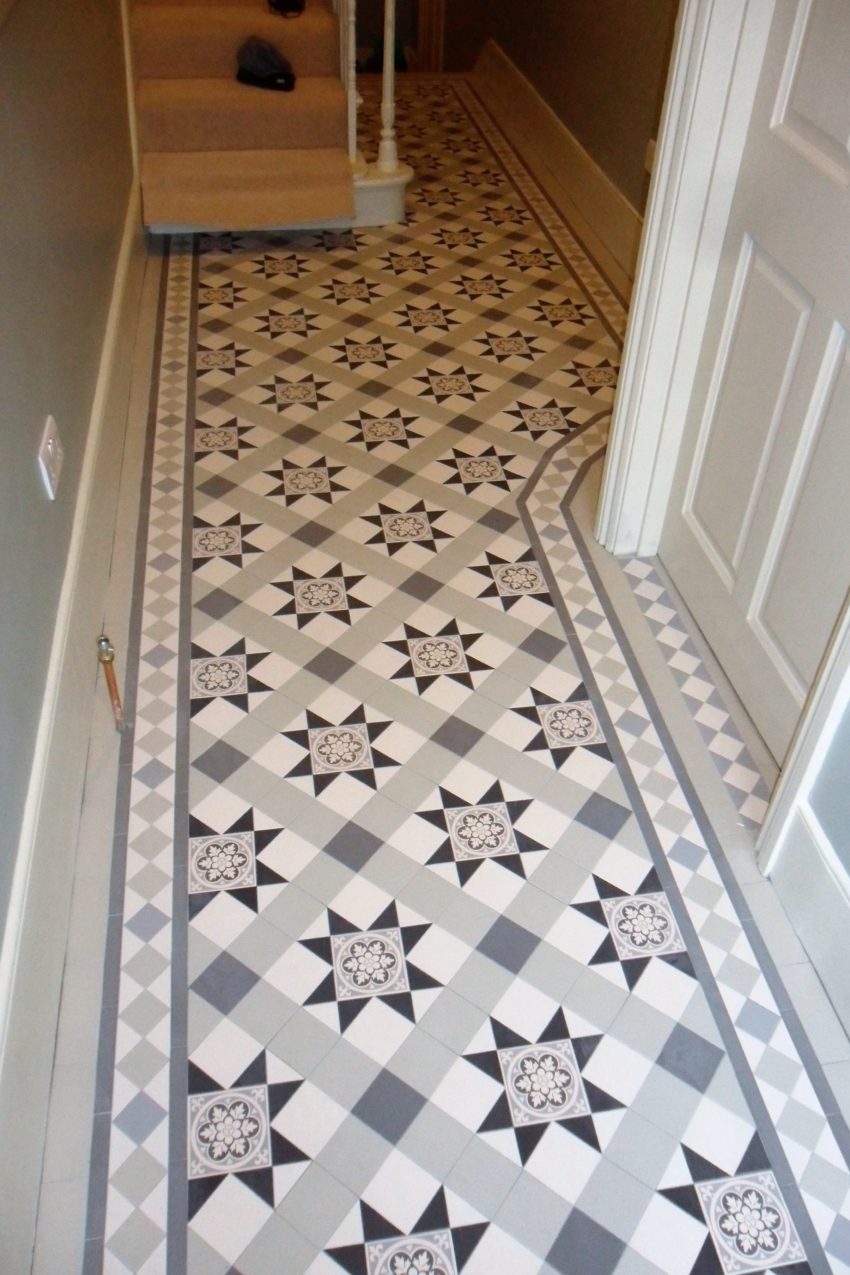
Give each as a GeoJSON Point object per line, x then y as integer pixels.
{"type": "Point", "coordinates": [429, 961]}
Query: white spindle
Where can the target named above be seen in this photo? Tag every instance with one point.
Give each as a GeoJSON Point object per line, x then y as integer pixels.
{"type": "Point", "coordinates": [387, 151]}
{"type": "Point", "coordinates": [350, 73]}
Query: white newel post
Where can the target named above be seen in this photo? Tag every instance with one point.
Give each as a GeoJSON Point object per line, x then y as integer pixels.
{"type": "Point", "coordinates": [388, 152]}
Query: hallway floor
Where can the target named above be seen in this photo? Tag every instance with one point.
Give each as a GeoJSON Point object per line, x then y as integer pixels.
{"type": "Point", "coordinates": [425, 955]}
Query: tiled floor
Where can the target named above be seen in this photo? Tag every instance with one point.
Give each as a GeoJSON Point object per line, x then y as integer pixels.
{"type": "Point", "coordinates": [430, 959]}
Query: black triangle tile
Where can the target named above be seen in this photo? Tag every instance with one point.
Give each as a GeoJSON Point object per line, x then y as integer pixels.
{"type": "Point", "coordinates": [498, 1117]}
{"type": "Point", "coordinates": [488, 1062]}
{"type": "Point", "coordinates": [528, 1138]}
{"type": "Point", "coordinates": [420, 981]}
{"type": "Point", "coordinates": [411, 934]}
{"type": "Point", "coordinates": [754, 1159]}
{"type": "Point", "coordinates": [465, 1240]}
{"type": "Point", "coordinates": [701, 1170]}
{"type": "Point", "coordinates": [352, 1258]}
{"type": "Point", "coordinates": [200, 1190]}
{"type": "Point", "coordinates": [466, 869]}
{"type": "Point", "coordinates": [582, 1127]}
{"type": "Point", "coordinates": [325, 993]}
{"type": "Point", "coordinates": [633, 970]}
{"type": "Point", "coordinates": [320, 946]}
{"type": "Point", "coordinates": [504, 1037]}
{"type": "Point", "coordinates": [200, 1081]}
{"type": "Point", "coordinates": [340, 924]}
{"type": "Point", "coordinates": [592, 909]}
{"type": "Point", "coordinates": [256, 1073]}
{"type": "Point", "coordinates": [349, 1010]}
{"type": "Point", "coordinates": [685, 1198]}
{"type": "Point", "coordinates": [284, 1151]}
{"type": "Point", "coordinates": [279, 1094]}
{"type": "Point", "coordinates": [680, 961]}
{"type": "Point", "coordinates": [375, 1226]}
{"type": "Point", "coordinates": [599, 1100]}
{"type": "Point", "coordinates": [261, 1182]}
{"type": "Point", "coordinates": [436, 1216]}
{"type": "Point", "coordinates": [556, 1028]}
{"type": "Point", "coordinates": [402, 1003]}
{"type": "Point", "coordinates": [584, 1047]}
{"type": "Point", "coordinates": [707, 1261]}
{"type": "Point", "coordinates": [606, 953]}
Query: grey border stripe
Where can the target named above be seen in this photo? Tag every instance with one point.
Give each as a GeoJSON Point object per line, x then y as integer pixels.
{"type": "Point", "coordinates": [556, 212]}
{"type": "Point", "coordinates": [105, 1072]}
{"type": "Point", "coordinates": [178, 1185]}
{"type": "Point", "coordinates": [820, 1083]}
{"type": "Point", "coordinates": [764, 1125]}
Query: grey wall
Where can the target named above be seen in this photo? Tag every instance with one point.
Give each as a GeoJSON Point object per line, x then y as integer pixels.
{"type": "Point", "coordinates": [601, 65]}
{"type": "Point", "coordinates": [66, 173]}
{"type": "Point", "coordinates": [830, 796]}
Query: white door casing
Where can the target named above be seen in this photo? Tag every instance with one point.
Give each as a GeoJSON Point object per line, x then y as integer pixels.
{"type": "Point", "coordinates": [757, 532]}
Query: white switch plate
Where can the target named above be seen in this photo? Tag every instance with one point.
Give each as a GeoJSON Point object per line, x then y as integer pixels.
{"type": "Point", "coordinates": [50, 457]}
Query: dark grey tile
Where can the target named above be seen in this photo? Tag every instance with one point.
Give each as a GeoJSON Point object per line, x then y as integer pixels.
{"type": "Point", "coordinates": [312, 533]}
{"type": "Point", "coordinates": [353, 846]}
{"type": "Point", "coordinates": [690, 1057]}
{"type": "Point", "coordinates": [508, 944]}
{"type": "Point", "coordinates": [301, 433]}
{"type": "Point", "coordinates": [389, 1106]}
{"type": "Point", "coordinates": [420, 585]}
{"type": "Point", "coordinates": [217, 603]}
{"type": "Point", "coordinates": [225, 982]}
{"type": "Point", "coordinates": [585, 1248]}
{"type": "Point", "coordinates": [329, 665]}
{"type": "Point", "coordinates": [153, 772]}
{"type": "Point", "coordinates": [496, 520]}
{"type": "Point", "coordinates": [216, 486]}
{"type": "Point", "coordinates": [394, 475]}
{"type": "Point", "coordinates": [140, 1117]}
{"type": "Point", "coordinates": [543, 646]}
{"type": "Point", "coordinates": [457, 736]}
{"type": "Point", "coordinates": [220, 761]}
{"type": "Point", "coordinates": [603, 815]}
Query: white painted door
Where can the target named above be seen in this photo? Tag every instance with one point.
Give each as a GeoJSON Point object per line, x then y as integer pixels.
{"type": "Point", "coordinates": [757, 534]}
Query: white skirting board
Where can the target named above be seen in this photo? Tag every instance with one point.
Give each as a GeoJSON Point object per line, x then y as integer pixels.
{"type": "Point", "coordinates": [599, 212]}
{"type": "Point", "coordinates": [33, 944]}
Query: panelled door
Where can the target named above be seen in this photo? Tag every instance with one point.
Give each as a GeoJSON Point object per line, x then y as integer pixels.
{"type": "Point", "coordinates": [757, 534]}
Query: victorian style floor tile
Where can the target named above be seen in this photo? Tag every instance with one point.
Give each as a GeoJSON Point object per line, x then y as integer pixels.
{"type": "Point", "coordinates": [429, 965]}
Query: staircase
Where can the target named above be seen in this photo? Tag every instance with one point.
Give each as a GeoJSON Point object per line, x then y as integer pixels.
{"type": "Point", "coordinates": [216, 154]}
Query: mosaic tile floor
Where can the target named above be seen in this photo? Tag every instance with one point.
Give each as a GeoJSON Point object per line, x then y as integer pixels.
{"type": "Point", "coordinates": [430, 961]}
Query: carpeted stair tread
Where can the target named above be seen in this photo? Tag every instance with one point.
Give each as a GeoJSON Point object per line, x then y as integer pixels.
{"type": "Point", "coordinates": [171, 41]}
{"type": "Point", "coordinates": [247, 189]}
{"type": "Point", "coordinates": [203, 5]}
{"type": "Point", "coordinates": [221, 115]}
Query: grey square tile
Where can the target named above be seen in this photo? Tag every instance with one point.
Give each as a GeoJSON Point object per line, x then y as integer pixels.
{"type": "Point", "coordinates": [225, 982]}
{"type": "Point", "coordinates": [420, 585]}
{"type": "Point", "coordinates": [497, 520]}
{"type": "Point", "coordinates": [508, 944]}
{"type": "Point", "coordinates": [457, 736]}
{"type": "Point", "coordinates": [353, 846]}
{"type": "Point", "coordinates": [220, 761]}
{"type": "Point", "coordinates": [543, 646]}
{"type": "Point", "coordinates": [389, 1106]}
{"type": "Point", "coordinates": [216, 486]}
{"type": "Point", "coordinates": [690, 1057]}
{"type": "Point", "coordinates": [217, 603]}
{"type": "Point", "coordinates": [394, 476]}
{"type": "Point", "coordinates": [312, 533]}
{"type": "Point", "coordinates": [603, 815]}
{"type": "Point", "coordinates": [330, 665]}
{"type": "Point", "coordinates": [583, 1245]}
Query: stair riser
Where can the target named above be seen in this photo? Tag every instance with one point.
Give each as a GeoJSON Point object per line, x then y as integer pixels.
{"type": "Point", "coordinates": [172, 42]}
{"type": "Point", "coordinates": [247, 119]}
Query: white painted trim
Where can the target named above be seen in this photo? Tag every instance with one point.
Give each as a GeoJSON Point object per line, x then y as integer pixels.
{"type": "Point", "coordinates": [717, 59]}
{"type": "Point", "coordinates": [33, 944]}
{"type": "Point", "coordinates": [827, 702]}
{"type": "Point", "coordinates": [546, 143]}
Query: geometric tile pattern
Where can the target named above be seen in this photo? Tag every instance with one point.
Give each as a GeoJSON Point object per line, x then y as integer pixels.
{"type": "Point", "coordinates": [747, 787]}
{"type": "Point", "coordinates": [428, 963]}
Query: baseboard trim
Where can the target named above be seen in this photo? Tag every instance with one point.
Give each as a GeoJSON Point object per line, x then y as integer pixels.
{"type": "Point", "coordinates": [599, 212]}
{"type": "Point", "coordinates": [35, 936]}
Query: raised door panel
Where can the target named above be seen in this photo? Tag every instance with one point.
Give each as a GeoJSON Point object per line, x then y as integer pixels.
{"type": "Point", "coordinates": [805, 580]}
{"type": "Point", "coordinates": [757, 359]}
{"type": "Point", "coordinates": [812, 110]}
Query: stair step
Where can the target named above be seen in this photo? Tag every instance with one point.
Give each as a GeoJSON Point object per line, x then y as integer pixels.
{"type": "Point", "coordinates": [202, 5]}
{"type": "Point", "coordinates": [223, 115]}
{"type": "Point", "coordinates": [246, 190]}
{"type": "Point", "coordinates": [174, 40]}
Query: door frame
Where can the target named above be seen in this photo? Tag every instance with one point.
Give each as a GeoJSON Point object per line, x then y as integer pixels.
{"type": "Point", "coordinates": [715, 66]}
